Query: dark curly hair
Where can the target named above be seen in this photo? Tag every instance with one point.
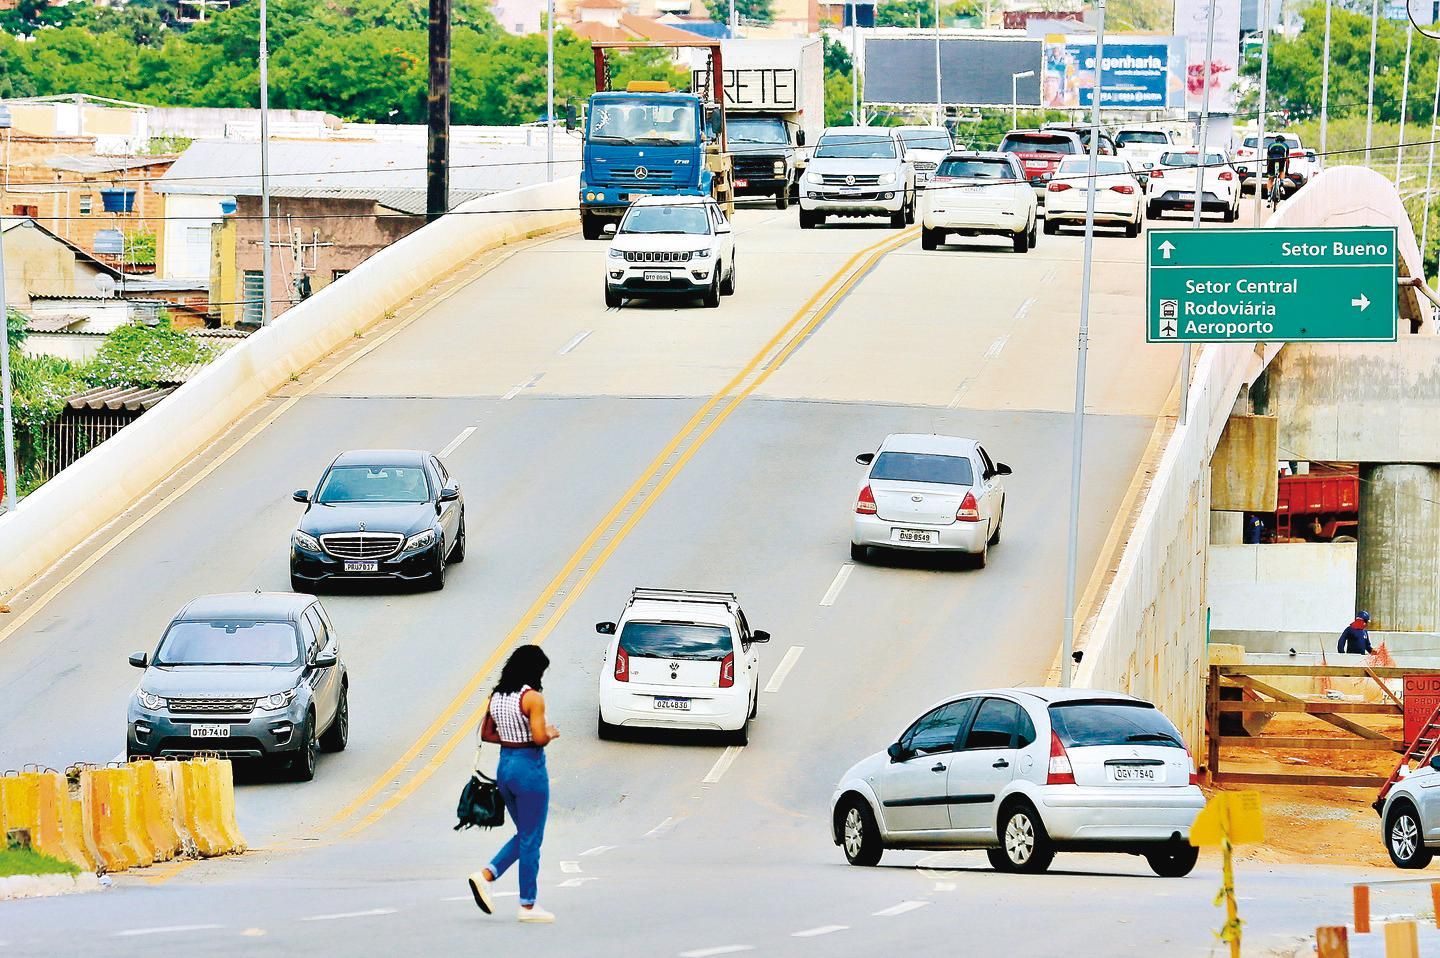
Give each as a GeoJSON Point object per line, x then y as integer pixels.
{"type": "Point", "coordinates": [526, 666]}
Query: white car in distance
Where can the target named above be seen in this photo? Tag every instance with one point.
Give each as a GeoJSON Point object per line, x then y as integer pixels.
{"type": "Point", "coordinates": [1172, 185]}
{"type": "Point", "coordinates": [926, 146]}
{"type": "Point", "coordinates": [1118, 194]}
{"type": "Point", "coordinates": [679, 659]}
{"type": "Point", "coordinates": [929, 493]}
{"type": "Point", "coordinates": [974, 194]}
{"type": "Point", "coordinates": [671, 247]}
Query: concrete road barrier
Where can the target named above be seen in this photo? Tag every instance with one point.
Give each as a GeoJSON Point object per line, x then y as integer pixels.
{"type": "Point", "coordinates": [110, 478]}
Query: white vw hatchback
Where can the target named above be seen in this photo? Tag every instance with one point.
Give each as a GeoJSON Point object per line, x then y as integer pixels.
{"type": "Point", "coordinates": [929, 492]}
{"type": "Point", "coordinates": [1023, 773]}
{"type": "Point", "coordinates": [680, 660]}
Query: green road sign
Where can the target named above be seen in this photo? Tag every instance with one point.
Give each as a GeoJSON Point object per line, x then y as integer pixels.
{"type": "Point", "coordinates": [1271, 285]}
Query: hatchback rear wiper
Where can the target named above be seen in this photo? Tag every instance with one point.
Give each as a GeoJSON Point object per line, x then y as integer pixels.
{"type": "Point", "coordinates": [1152, 737]}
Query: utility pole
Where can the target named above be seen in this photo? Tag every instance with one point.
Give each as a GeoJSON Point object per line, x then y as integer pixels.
{"type": "Point", "coordinates": [855, 64]}
{"type": "Point", "coordinates": [1429, 172]}
{"type": "Point", "coordinates": [12, 477]}
{"type": "Point", "coordinates": [437, 114]}
{"type": "Point", "coordinates": [1201, 167]}
{"type": "Point", "coordinates": [1370, 94]}
{"type": "Point", "coordinates": [939, 95]}
{"type": "Point", "coordinates": [265, 290]}
{"type": "Point", "coordinates": [1262, 156]}
{"type": "Point", "coordinates": [1404, 103]}
{"type": "Point", "coordinates": [1325, 89]}
{"type": "Point", "coordinates": [549, 90]}
{"type": "Point", "coordinates": [1082, 345]}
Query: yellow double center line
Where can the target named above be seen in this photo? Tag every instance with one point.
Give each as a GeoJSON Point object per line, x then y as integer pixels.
{"type": "Point", "coordinates": [442, 737]}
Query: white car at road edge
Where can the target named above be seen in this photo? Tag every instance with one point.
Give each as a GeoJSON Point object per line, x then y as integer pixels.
{"type": "Point", "coordinates": [975, 193]}
{"type": "Point", "coordinates": [1023, 773]}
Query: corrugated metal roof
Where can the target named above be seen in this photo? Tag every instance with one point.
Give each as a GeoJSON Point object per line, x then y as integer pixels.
{"type": "Point", "coordinates": [232, 167]}
{"type": "Point", "coordinates": [105, 164]}
{"type": "Point", "coordinates": [180, 375]}
{"type": "Point", "coordinates": [55, 324]}
{"type": "Point", "coordinates": [403, 200]}
{"type": "Point", "coordinates": [222, 333]}
{"type": "Point", "coordinates": [115, 398]}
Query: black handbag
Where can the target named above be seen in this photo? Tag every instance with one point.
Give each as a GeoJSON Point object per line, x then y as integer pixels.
{"type": "Point", "coordinates": [480, 803]}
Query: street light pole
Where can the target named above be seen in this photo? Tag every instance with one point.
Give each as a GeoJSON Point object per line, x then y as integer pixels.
{"type": "Point", "coordinates": [12, 477]}
{"type": "Point", "coordinates": [1404, 103]}
{"type": "Point", "coordinates": [1015, 79]}
{"type": "Point", "coordinates": [264, 169]}
{"type": "Point", "coordinates": [1429, 173]}
{"type": "Point", "coordinates": [1082, 344]}
{"type": "Point", "coordinates": [939, 96]}
{"type": "Point", "coordinates": [1325, 88]}
{"type": "Point", "coordinates": [1262, 156]}
{"type": "Point", "coordinates": [550, 89]}
{"type": "Point", "coordinates": [1200, 167]}
{"type": "Point", "coordinates": [1370, 93]}
{"type": "Point", "coordinates": [855, 64]}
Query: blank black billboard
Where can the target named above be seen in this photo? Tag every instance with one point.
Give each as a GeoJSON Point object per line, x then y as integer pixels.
{"type": "Point", "coordinates": [976, 72]}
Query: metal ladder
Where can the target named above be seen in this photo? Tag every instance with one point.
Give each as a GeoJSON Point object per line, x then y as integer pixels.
{"type": "Point", "coordinates": [1425, 746]}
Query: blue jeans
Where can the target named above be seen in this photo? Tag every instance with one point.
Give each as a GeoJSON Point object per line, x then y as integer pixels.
{"type": "Point", "coordinates": [525, 787]}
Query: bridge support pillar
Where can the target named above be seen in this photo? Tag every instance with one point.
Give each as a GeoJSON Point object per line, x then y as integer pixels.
{"type": "Point", "coordinates": [1397, 564]}
{"type": "Point", "coordinates": [1227, 528]}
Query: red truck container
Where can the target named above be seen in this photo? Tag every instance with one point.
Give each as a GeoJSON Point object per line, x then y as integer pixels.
{"type": "Point", "coordinates": [1330, 498]}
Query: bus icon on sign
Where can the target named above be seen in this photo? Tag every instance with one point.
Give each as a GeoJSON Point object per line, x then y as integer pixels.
{"type": "Point", "coordinates": [1169, 313]}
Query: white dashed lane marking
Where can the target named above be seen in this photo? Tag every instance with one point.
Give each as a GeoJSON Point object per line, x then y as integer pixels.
{"type": "Point", "coordinates": [579, 338]}
{"type": "Point", "coordinates": [164, 930]}
{"type": "Point", "coordinates": [841, 577]}
{"type": "Point", "coordinates": [455, 443]}
{"type": "Point", "coordinates": [722, 764]}
{"type": "Point", "coordinates": [817, 932]}
{"type": "Point", "coordinates": [711, 952]}
{"type": "Point", "coordinates": [783, 669]}
{"type": "Point", "coordinates": [661, 829]}
{"type": "Point", "coordinates": [900, 909]}
{"type": "Point", "coordinates": [371, 913]}
{"type": "Point", "coordinates": [570, 868]}
{"type": "Point", "coordinates": [515, 390]}
{"type": "Point", "coordinates": [597, 850]}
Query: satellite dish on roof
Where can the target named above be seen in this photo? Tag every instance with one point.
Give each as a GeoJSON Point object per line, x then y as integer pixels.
{"type": "Point", "coordinates": [105, 284]}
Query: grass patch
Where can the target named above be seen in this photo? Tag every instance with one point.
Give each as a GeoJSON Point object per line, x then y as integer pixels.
{"type": "Point", "coordinates": [19, 861]}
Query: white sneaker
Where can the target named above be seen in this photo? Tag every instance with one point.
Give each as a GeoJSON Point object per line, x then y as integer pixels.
{"type": "Point", "coordinates": [536, 914]}
{"type": "Point", "coordinates": [480, 888]}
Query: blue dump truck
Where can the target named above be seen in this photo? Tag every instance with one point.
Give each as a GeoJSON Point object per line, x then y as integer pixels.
{"type": "Point", "coordinates": [649, 139]}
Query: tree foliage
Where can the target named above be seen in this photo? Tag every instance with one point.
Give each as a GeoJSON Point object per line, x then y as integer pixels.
{"type": "Point", "coordinates": [921, 13]}
{"type": "Point", "coordinates": [748, 11]}
{"type": "Point", "coordinates": [363, 60]}
{"type": "Point", "coordinates": [137, 355]}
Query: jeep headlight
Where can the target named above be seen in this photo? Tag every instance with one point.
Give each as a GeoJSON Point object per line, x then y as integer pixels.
{"type": "Point", "coordinates": [701, 254]}
{"type": "Point", "coordinates": [617, 254]}
{"type": "Point", "coordinates": [421, 540]}
{"type": "Point", "coordinates": [304, 541]}
{"type": "Point", "coordinates": [886, 178]}
{"type": "Point", "coordinates": [276, 701]}
{"type": "Point", "coordinates": [151, 701]}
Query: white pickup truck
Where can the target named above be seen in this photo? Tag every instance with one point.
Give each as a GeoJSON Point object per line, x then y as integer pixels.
{"type": "Point", "coordinates": [1144, 145]}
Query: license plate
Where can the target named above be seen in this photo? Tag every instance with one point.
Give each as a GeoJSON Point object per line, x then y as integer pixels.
{"type": "Point", "coordinates": [678, 705]}
{"type": "Point", "coordinates": [209, 731]}
{"type": "Point", "coordinates": [657, 276]}
{"type": "Point", "coordinates": [1134, 773]}
{"type": "Point", "coordinates": [363, 565]}
{"type": "Point", "coordinates": [914, 535]}
{"type": "Point", "coordinates": [742, 182]}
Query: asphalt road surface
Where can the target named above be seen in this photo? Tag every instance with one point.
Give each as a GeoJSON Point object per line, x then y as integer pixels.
{"type": "Point", "coordinates": [654, 445]}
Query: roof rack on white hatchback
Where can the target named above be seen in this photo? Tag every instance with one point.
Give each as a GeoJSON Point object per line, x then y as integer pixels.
{"type": "Point", "coordinates": [684, 595]}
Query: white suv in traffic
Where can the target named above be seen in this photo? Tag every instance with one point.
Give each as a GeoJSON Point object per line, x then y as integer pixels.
{"type": "Point", "coordinates": [1024, 773]}
{"type": "Point", "coordinates": [671, 246]}
{"type": "Point", "coordinates": [680, 660]}
{"type": "Point", "coordinates": [1173, 181]}
{"type": "Point", "coordinates": [858, 171]}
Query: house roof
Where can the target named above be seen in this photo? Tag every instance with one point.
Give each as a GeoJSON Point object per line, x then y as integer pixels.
{"type": "Point", "coordinates": [403, 200]}
{"type": "Point", "coordinates": [631, 28]}
{"type": "Point", "coordinates": [115, 398]}
{"type": "Point", "coordinates": [599, 5]}
{"type": "Point", "coordinates": [106, 164]}
{"type": "Point", "coordinates": [17, 222]}
{"type": "Point", "coordinates": [221, 333]}
{"type": "Point", "coordinates": [232, 167]}
{"type": "Point", "coordinates": [57, 324]}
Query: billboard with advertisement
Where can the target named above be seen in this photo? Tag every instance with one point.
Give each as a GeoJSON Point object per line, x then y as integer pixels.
{"type": "Point", "coordinates": [1139, 75]}
{"type": "Point", "coordinates": [1192, 22]}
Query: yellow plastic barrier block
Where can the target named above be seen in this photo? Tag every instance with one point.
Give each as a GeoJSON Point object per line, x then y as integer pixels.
{"type": "Point", "coordinates": [47, 789]}
{"type": "Point", "coordinates": [125, 787]}
{"type": "Point", "coordinates": [155, 800]}
{"type": "Point", "coordinates": [103, 821]}
{"type": "Point", "coordinates": [200, 823]}
{"type": "Point", "coordinates": [72, 827]}
{"type": "Point", "coordinates": [17, 803]}
{"type": "Point", "coordinates": [222, 789]}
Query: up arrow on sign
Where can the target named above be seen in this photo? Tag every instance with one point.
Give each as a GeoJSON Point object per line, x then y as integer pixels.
{"type": "Point", "coordinates": [1362, 301]}
{"type": "Point", "coordinates": [1167, 248]}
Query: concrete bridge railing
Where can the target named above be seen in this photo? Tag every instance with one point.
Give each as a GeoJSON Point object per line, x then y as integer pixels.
{"type": "Point", "coordinates": [109, 479]}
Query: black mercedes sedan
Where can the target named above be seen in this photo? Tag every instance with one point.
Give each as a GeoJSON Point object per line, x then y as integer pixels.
{"type": "Point", "coordinates": [379, 514]}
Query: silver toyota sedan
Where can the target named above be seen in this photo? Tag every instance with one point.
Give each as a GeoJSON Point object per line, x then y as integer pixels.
{"type": "Point", "coordinates": [929, 492]}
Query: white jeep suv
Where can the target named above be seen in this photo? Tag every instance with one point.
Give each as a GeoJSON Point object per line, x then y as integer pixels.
{"type": "Point", "coordinates": [680, 660]}
{"type": "Point", "coordinates": [858, 171]}
{"type": "Point", "coordinates": [671, 246]}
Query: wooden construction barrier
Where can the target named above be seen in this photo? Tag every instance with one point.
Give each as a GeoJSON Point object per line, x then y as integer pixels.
{"type": "Point", "coordinates": [1332, 941]}
{"type": "Point", "coordinates": [1402, 939]}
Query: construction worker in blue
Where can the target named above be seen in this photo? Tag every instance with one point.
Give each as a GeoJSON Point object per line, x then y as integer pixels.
{"type": "Point", "coordinates": [1356, 637]}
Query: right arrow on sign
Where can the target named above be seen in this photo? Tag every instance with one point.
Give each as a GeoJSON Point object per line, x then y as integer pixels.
{"type": "Point", "coordinates": [1167, 248]}
{"type": "Point", "coordinates": [1361, 301]}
